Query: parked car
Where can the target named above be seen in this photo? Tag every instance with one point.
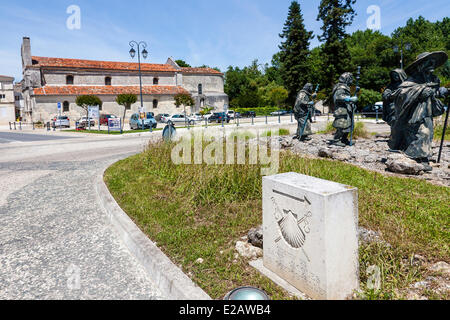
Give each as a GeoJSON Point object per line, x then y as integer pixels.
{"type": "Point", "coordinates": [219, 117]}
{"type": "Point", "coordinates": [207, 116]}
{"type": "Point", "coordinates": [60, 121]}
{"type": "Point", "coordinates": [136, 122]}
{"type": "Point", "coordinates": [196, 117]}
{"type": "Point", "coordinates": [279, 113]}
{"type": "Point", "coordinates": [160, 117]}
{"type": "Point", "coordinates": [83, 122]}
{"type": "Point", "coordinates": [178, 118]}
{"type": "Point", "coordinates": [249, 114]}
{"type": "Point", "coordinates": [232, 114]}
{"type": "Point", "coordinates": [104, 118]}
{"type": "Point", "coordinates": [372, 110]}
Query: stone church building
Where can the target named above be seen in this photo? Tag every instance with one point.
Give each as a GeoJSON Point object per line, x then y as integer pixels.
{"type": "Point", "coordinates": [47, 81]}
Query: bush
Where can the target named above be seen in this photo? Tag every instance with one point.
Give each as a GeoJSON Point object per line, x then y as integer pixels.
{"type": "Point", "coordinates": [259, 111]}
{"type": "Point", "coordinates": [368, 97]}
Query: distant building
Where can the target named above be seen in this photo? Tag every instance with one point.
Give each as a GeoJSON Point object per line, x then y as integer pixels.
{"type": "Point", "coordinates": [7, 106]}
{"type": "Point", "coordinates": [47, 81]}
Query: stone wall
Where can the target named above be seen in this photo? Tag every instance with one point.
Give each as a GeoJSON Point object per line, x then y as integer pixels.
{"type": "Point", "coordinates": [7, 106]}
{"type": "Point", "coordinates": [210, 83]}
{"type": "Point", "coordinates": [47, 106]}
{"type": "Point", "coordinates": [98, 79]}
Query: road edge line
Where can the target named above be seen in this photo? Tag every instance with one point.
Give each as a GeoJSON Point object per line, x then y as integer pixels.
{"type": "Point", "coordinates": [170, 279]}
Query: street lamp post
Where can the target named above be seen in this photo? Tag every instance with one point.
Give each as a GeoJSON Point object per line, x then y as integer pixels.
{"type": "Point", "coordinates": [144, 55]}
{"type": "Point", "coordinates": [407, 47]}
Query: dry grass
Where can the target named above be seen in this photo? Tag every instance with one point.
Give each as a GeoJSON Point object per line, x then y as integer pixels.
{"type": "Point", "coordinates": [199, 211]}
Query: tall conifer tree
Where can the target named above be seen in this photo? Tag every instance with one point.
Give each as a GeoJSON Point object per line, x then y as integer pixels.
{"type": "Point", "coordinates": [294, 51]}
{"type": "Point", "coordinates": [336, 15]}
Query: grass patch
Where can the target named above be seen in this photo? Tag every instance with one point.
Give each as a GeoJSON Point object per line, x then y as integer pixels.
{"type": "Point", "coordinates": [112, 132]}
{"type": "Point", "coordinates": [242, 135]}
{"type": "Point", "coordinates": [200, 211]}
{"type": "Point", "coordinates": [439, 130]}
{"type": "Point", "coordinates": [360, 130]}
{"type": "Point", "coordinates": [278, 132]}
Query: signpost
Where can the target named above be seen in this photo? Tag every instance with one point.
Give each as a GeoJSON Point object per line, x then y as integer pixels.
{"type": "Point", "coordinates": [93, 113]}
{"type": "Point", "coordinates": [114, 124]}
{"type": "Point", "coordinates": [59, 113]}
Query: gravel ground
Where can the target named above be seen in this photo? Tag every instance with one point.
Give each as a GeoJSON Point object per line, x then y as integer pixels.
{"type": "Point", "coordinates": [371, 154]}
{"type": "Point", "coordinates": [55, 241]}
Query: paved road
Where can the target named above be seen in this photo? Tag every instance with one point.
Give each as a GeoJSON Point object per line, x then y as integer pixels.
{"type": "Point", "coordinates": [55, 241]}
{"type": "Point", "coordinates": [8, 137]}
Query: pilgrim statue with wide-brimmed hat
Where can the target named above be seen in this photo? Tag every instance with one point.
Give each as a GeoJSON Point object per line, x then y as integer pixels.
{"type": "Point", "coordinates": [416, 103]}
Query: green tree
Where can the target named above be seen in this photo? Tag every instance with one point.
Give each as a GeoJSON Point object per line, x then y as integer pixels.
{"type": "Point", "coordinates": [336, 15]}
{"type": "Point", "coordinates": [243, 86]}
{"type": "Point", "coordinates": [374, 52]}
{"type": "Point", "coordinates": [185, 100]}
{"type": "Point", "coordinates": [278, 95]}
{"type": "Point", "coordinates": [126, 100]}
{"type": "Point", "coordinates": [294, 51]}
{"type": "Point", "coordinates": [182, 63]}
{"type": "Point", "coordinates": [368, 97]}
{"type": "Point", "coordinates": [87, 101]}
{"type": "Point", "coordinates": [423, 35]}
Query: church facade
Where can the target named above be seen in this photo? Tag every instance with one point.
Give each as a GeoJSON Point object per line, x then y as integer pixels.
{"type": "Point", "coordinates": [49, 81]}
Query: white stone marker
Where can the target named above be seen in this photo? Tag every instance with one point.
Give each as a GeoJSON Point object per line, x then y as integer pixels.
{"type": "Point", "coordinates": [311, 234]}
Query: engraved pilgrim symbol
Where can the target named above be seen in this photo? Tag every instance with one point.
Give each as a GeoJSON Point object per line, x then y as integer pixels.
{"type": "Point", "coordinates": [294, 225]}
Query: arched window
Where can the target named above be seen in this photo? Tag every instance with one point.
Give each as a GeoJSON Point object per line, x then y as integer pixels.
{"type": "Point", "coordinates": [155, 81]}
{"type": "Point", "coordinates": [66, 106]}
{"type": "Point", "coordinates": [200, 89]}
{"type": "Point", "coordinates": [108, 81]}
{"type": "Point", "coordinates": [69, 80]}
{"type": "Point", "coordinates": [155, 104]}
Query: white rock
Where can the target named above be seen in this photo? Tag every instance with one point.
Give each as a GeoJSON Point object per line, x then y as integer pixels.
{"type": "Point", "coordinates": [199, 261]}
{"type": "Point", "coordinates": [441, 267]}
{"type": "Point", "coordinates": [248, 251]}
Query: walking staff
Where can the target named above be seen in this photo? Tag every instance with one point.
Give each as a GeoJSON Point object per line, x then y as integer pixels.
{"type": "Point", "coordinates": [445, 125]}
{"type": "Point", "coordinates": [358, 77]}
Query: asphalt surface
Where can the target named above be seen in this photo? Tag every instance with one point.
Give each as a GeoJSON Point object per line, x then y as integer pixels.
{"type": "Point", "coordinates": [55, 240]}
{"type": "Point", "coordinates": [8, 137]}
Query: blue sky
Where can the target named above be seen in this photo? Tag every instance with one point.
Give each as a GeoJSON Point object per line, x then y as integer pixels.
{"type": "Point", "coordinates": [212, 32]}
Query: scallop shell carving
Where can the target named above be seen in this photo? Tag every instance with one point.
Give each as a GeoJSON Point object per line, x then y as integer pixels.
{"type": "Point", "coordinates": [290, 230]}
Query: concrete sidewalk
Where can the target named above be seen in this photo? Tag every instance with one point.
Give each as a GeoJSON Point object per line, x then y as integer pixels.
{"type": "Point", "coordinates": [55, 239]}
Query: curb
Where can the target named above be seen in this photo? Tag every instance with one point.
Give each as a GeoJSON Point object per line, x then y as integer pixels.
{"type": "Point", "coordinates": [172, 282]}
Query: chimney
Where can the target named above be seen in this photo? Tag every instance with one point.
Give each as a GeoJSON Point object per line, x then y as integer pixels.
{"type": "Point", "coordinates": [26, 53]}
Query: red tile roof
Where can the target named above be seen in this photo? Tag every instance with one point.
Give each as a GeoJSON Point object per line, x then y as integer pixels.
{"type": "Point", "coordinates": [201, 71]}
{"type": "Point", "coordinates": [107, 90]}
{"type": "Point", "coordinates": [106, 65]}
{"type": "Point", "coordinates": [111, 65]}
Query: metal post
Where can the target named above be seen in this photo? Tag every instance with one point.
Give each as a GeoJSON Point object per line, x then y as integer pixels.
{"type": "Point", "coordinates": [10, 127]}
{"type": "Point", "coordinates": [238, 122]}
{"type": "Point", "coordinates": [33, 125]}
{"type": "Point", "coordinates": [253, 120]}
{"type": "Point", "coordinates": [292, 117]}
{"type": "Point", "coordinates": [15, 126]}
{"type": "Point", "coordinates": [279, 118]}
{"type": "Point", "coordinates": [20, 125]}
{"type": "Point", "coordinates": [443, 135]}
{"type": "Point", "coordinates": [401, 62]}
{"type": "Point", "coordinates": [144, 52]}
{"type": "Point", "coordinates": [266, 119]}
